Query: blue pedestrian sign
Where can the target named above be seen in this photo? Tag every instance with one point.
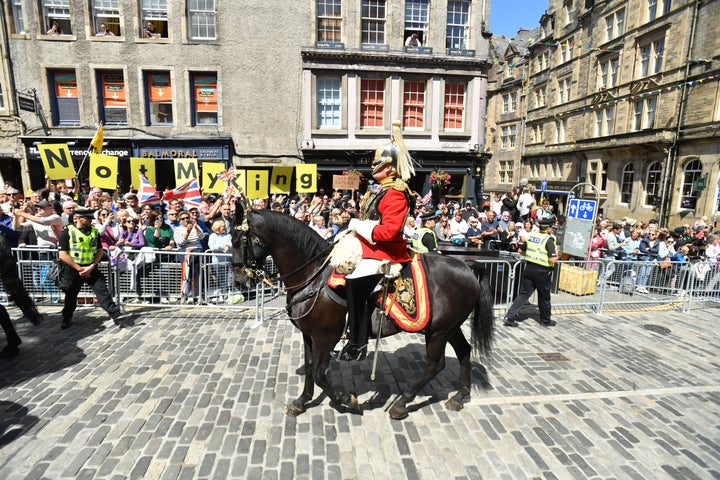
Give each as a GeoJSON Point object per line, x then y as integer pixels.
{"type": "Point", "coordinates": [581, 209]}
{"type": "Point", "coordinates": [543, 185]}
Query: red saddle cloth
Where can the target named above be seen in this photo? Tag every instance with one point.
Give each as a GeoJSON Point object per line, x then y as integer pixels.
{"type": "Point", "coordinates": [408, 301]}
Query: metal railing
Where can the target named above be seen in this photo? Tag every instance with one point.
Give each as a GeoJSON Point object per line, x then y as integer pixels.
{"type": "Point", "coordinates": [164, 279]}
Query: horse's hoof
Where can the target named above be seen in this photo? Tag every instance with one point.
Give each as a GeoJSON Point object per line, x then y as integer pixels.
{"type": "Point", "coordinates": [453, 405]}
{"type": "Point", "coordinates": [398, 413]}
{"type": "Point", "coordinates": [293, 410]}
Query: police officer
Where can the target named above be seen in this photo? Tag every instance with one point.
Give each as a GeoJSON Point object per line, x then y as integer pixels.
{"type": "Point", "coordinates": [424, 239]}
{"type": "Point", "coordinates": [379, 228]}
{"type": "Point", "coordinates": [80, 251]}
{"type": "Point", "coordinates": [540, 256]}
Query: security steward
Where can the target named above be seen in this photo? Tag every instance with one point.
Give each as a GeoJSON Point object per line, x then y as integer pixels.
{"type": "Point", "coordinates": [424, 239]}
{"type": "Point", "coordinates": [80, 251]}
{"type": "Point", "coordinates": [540, 257]}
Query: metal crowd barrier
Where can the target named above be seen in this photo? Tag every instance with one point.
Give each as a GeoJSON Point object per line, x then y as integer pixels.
{"type": "Point", "coordinates": [174, 278]}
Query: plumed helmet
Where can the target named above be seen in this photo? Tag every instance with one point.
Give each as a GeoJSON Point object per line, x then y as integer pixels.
{"type": "Point", "coordinates": [396, 154]}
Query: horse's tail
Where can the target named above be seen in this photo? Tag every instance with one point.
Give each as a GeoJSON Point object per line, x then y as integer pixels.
{"type": "Point", "coordinates": [13, 284]}
{"type": "Point", "coordinates": [483, 323]}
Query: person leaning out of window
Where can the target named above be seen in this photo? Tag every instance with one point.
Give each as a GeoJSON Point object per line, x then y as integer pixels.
{"type": "Point", "coordinates": [150, 31]}
{"type": "Point", "coordinates": [104, 32]}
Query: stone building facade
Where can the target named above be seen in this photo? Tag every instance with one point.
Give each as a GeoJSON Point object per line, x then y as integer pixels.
{"type": "Point", "coordinates": [254, 84]}
{"type": "Point", "coordinates": [622, 94]}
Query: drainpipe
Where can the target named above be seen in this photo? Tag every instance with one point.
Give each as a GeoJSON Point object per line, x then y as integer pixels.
{"type": "Point", "coordinates": [671, 159]}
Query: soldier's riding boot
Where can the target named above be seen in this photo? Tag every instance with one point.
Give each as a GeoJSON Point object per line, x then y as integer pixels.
{"type": "Point", "coordinates": [358, 290]}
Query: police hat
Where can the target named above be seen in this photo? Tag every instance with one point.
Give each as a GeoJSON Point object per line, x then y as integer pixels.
{"type": "Point", "coordinates": [85, 213]}
{"type": "Point", "coordinates": [428, 216]}
{"type": "Point", "coordinates": [546, 222]}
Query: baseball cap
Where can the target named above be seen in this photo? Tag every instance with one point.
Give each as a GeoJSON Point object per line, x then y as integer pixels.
{"type": "Point", "coordinates": [43, 204]}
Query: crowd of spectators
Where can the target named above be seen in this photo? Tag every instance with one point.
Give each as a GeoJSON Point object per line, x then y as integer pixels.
{"type": "Point", "coordinates": [502, 223]}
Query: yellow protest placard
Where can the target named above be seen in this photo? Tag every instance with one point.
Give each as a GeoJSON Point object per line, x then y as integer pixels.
{"type": "Point", "coordinates": [103, 171]}
{"type": "Point", "coordinates": [210, 181]}
{"type": "Point", "coordinates": [186, 169]}
{"type": "Point", "coordinates": [306, 178]}
{"type": "Point", "coordinates": [258, 182]}
{"type": "Point", "coordinates": [144, 166]}
{"type": "Point", "coordinates": [281, 180]}
{"type": "Point", "coordinates": [57, 161]}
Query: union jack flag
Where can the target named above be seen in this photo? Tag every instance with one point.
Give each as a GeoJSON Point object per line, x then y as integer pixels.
{"type": "Point", "coordinates": [227, 175]}
{"type": "Point", "coordinates": [426, 198]}
{"type": "Point", "coordinates": [188, 192]}
{"type": "Point", "coordinates": [147, 195]}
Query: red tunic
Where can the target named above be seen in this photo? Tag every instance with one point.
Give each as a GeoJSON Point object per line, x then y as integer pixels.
{"type": "Point", "coordinates": [388, 234]}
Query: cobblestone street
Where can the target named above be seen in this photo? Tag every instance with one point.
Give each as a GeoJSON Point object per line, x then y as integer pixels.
{"type": "Point", "coordinates": [199, 394]}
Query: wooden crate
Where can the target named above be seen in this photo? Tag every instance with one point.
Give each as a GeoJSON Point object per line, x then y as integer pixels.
{"type": "Point", "coordinates": [577, 280]}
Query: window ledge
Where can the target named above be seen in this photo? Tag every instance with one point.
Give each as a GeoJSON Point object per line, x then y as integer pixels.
{"type": "Point", "coordinates": [152, 40]}
{"type": "Point", "coordinates": [116, 38]}
{"type": "Point", "coordinates": [58, 38]}
{"type": "Point", "coordinates": [21, 36]}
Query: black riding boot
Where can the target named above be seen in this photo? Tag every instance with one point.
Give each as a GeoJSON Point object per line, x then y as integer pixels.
{"type": "Point", "coordinates": [358, 290]}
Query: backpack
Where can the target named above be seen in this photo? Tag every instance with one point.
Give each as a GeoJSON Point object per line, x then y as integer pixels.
{"type": "Point", "coordinates": [627, 282]}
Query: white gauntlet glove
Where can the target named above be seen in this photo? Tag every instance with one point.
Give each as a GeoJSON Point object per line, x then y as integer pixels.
{"type": "Point", "coordinates": [364, 228]}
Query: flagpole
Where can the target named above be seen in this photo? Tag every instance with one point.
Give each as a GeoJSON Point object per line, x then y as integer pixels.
{"type": "Point", "coordinates": [87, 152]}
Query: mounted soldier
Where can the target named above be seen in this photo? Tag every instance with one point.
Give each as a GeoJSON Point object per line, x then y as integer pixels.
{"type": "Point", "coordinates": [383, 210]}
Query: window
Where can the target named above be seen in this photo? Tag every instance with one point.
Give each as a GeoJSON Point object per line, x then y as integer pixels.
{"type": "Point", "coordinates": [543, 61]}
{"type": "Point", "coordinates": [205, 98]}
{"type": "Point", "coordinates": [328, 102]}
{"type": "Point", "coordinates": [615, 25]}
{"type": "Point", "coordinates": [201, 19]}
{"type": "Point", "coordinates": [537, 134]}
{"type": "Point", "coordinates": [416, 18]}
{"type": "Point", "coordinates": [644, 113]}
{"type": "Point", "coordinates": [454, 106]}
{"type": "Point", "coordinates": [2, 97]}
{"type": "Point", "coordinates": [692, 171]}
{"type": "Point", "coordinates": [113, 97]}
{"type": "Point", "coordinates": [329, 20]}
{"type": "Point", "coordinates": [604, 121]}
{"type": "Point", "coordinates": [506, 171]}
{"type": "Point", "coordinates": [372, 103]}
{"type": "Point", "coordinates": [159, 98]}
{"type": "Point", "coordinates": [557, 167]}
{"type": "Point", "coordinates": [567, 12]}
{"type": "Point", "coordinates": [564, 90]}
{"type": "Point", "coordinates": [626, 183]}
{"type": "Point", "coordinates": [652, 184]}
{"type": "Point", "coordinates": [65, 104]}
{"type": "Point", "coordinates": [510, 102]}
{"type": "Point", "coordinates": [597, 174]}
{"type": "Point", "coordinates": [561, 131]}
{"type": "Point", "coordinates": [414, 105]}
{"type": "Point", "coordinates": [56, 14]}
{"type": "Point", "coordinates": [17, 21]}
{"type": "Point", "coordinates": [155, 12]}
{"type": "Point", "coordinates": [651, 57]}
{"type": "Point", "coordinates": [658, 8]}
{"type": "Point", "coordinates": [540, 97]}
{"type": "Point", "coordinates": [508, 137]}
{"type": "Point", "coordinates": [373, 22]}
{"type": "Point", "coordinates": [458, 24]}
{"type": "Point", "coordinates": [107, 12]}
{"type": "Point", "coordinates": [608, 73]}
{"type": "Point", "coordinates": [566, 50]}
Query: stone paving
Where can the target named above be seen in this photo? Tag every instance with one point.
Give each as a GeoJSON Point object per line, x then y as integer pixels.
{"type": "Point", "coordinates": [199, 394]}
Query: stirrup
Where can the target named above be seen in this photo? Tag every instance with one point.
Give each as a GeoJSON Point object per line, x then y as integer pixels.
{"type": "Point", "coordinates": [351, 353]}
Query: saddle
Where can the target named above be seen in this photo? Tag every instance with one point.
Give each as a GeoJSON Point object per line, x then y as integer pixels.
{"type": "Point", "coordinates": [408, 297]}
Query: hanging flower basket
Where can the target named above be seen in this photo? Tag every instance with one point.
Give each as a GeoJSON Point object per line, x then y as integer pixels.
{"type": "Point", "coordinates": [440, 180]}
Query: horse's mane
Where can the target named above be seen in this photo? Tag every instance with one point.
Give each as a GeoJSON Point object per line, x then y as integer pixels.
{"type": "Point", "coordinates": [300, 234]}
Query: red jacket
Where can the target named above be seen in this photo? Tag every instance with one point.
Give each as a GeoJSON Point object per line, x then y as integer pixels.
{"type": "Point", "coordinates": [388, 234]}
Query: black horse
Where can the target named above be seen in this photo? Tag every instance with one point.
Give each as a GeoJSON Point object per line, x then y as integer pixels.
{"type": "Point", "coordinates": [300, 255]}
{"type": "Point", "coordinates": [16, 289]}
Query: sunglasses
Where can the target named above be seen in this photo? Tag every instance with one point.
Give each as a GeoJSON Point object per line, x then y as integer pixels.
{"type": "Point", "coordinates": [184, 218]}
{"type": "Point", "coordinates": [130, 220]}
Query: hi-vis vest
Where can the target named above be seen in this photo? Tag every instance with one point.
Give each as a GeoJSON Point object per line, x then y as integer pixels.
{"type": "Point", "coordinates": [81, 248]}
{"type": "Point", "coordinates": [535, 251]}
{"type": "Point", "coordinates": [417, 244]}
